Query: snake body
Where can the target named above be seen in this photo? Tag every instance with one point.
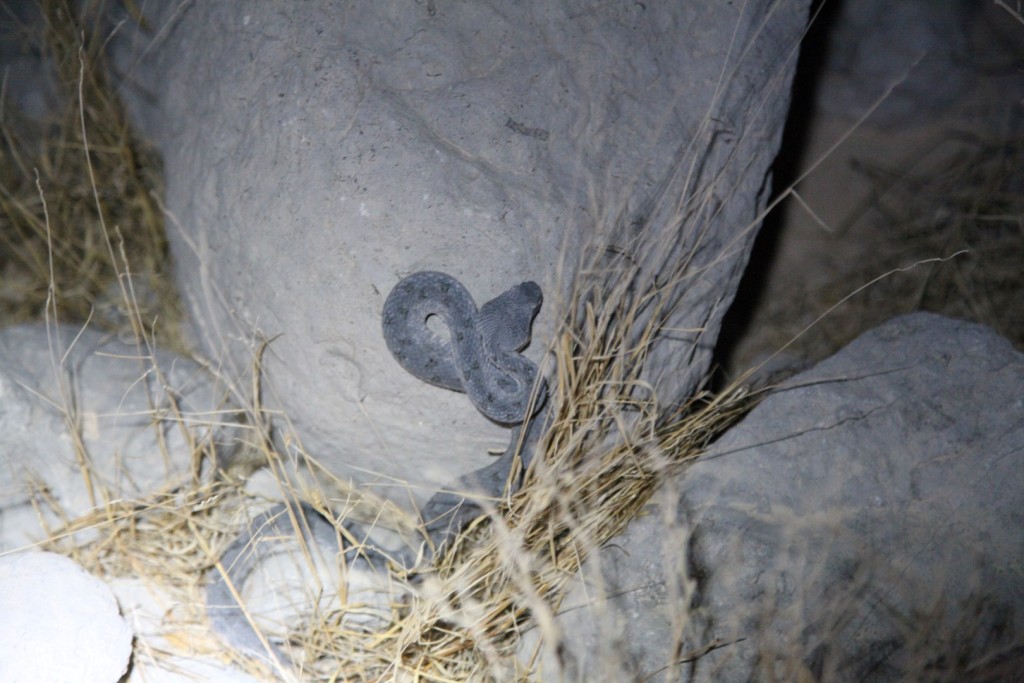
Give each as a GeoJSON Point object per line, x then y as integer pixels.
{"type": "Point", "coordinates": [262, 538]}
{"type": "Point", "coordinates": [479, 355]}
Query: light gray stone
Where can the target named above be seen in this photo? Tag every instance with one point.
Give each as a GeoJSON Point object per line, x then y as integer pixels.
{"type": "Point", "coordinates": [71, 397]}
{"type": "Point", "coordinates": [862, 523]}
{"type": "Point", "coordinates": [59, 623]}
{"type": "Point", "coordinates": [316, 153]}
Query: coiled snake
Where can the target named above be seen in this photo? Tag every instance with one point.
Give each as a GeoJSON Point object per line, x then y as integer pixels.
{"type": "Point", "coordinates": [480, 356]}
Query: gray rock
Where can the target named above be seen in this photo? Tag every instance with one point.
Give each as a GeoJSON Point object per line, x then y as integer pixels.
{"type": "Point", "coordinates": [70, 396]}
{"type": "Point", "coordinates": [317, 153]}
{"type": "Point", "coordinates": [917, 47]}
{"type": "Point", "coordinates": [59, 623]}
{"type": "Point", "coordinates": [862, 523]}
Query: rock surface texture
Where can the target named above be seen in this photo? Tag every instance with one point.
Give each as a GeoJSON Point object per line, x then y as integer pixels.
{"type": "Point", "coordinates": [59, 623]}
{"type": "Point", "coordinates": [862, 523]}
{"type": "Point", "coordinates": [315, 154]}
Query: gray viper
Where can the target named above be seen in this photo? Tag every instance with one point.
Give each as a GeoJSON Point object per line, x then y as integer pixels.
{"type": "Point", "coordinates": [480, 356]}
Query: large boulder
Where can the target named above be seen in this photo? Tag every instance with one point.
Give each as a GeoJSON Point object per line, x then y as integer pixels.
{"type": "Point", "coordinates": [317, 153]}
{"type": "Point", "coordinates": [862, 523]}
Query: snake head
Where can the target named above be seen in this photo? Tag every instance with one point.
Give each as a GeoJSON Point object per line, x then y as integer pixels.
{"type": "Point", "coordinates": [505, 320]}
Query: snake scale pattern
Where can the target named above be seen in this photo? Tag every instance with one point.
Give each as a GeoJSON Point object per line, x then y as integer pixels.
{"type": "Point", "coordinates": [480, 354]}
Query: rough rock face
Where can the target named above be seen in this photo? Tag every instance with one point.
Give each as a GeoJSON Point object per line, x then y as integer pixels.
{"type": "Point", "coordinates": [59, 623]}
{"type": "Point", "coordinates": [862, 523]}
{"type": "Point", "coordinates": [68, 394]}
{"type": "Point", "coordinates": [317, 153]}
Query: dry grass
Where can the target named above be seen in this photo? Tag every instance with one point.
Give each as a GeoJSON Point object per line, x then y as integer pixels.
{"type": "Point", "coordinates": [946, 218]}
{"type": "Point", "coordinates": [964, 194]}
{"type": "Point", "coordinates": [78, 195]}
{"type": "Point", "coordinates": [961, 196]}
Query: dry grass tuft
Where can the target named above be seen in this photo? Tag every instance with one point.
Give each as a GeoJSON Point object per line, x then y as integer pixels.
{"type": "Point", "coordinates": [966, 193]}
{"type": "Point", "coordinates": [78, 193]}
{"type": "Point", "coordinates": [959, 195]}
{"type": "Point", "coordinates": [169, 541]}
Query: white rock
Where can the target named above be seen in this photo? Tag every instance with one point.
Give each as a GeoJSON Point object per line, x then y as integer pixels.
{"type": "Point", "coordinates": [59, 624]}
